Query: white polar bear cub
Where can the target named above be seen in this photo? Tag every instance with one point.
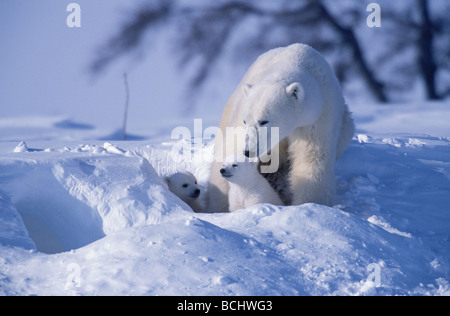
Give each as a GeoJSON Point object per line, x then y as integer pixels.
{"type": "Point", "coordinates": [184, 185]}
{"type": "Point", "coordinates": [247, 186]}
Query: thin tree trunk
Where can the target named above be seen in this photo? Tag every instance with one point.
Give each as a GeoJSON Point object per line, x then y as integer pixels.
{"type": "Point", "coordinates": [427, 63]}
{"type": "Point", "coordinates": [349, 37]}
{"type": "Point", "coordinates": [125, 114]}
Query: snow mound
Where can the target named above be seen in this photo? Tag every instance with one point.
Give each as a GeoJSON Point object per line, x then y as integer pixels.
{"type": "Point", "coordinates": [96, 219]}
{"type": "Point", "coordinates": [331, 249]}
{"type": "Point", "coordinates": [76, 196]}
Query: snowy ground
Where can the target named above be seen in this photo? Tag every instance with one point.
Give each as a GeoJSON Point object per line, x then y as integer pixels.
{"type": "Point", "coordinates": [93, 217]}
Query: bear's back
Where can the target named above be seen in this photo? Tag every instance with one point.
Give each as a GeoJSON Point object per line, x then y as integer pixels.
{"type": "Point", "coordinates": [287, 63]}
{"type": "Point", "coordinates": [283, 65]}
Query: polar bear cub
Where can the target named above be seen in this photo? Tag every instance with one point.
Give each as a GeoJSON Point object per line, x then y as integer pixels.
{"type": "Point", "coordinates": [184, 185]}
{"type": "Point", "coordinates": [247, 186]}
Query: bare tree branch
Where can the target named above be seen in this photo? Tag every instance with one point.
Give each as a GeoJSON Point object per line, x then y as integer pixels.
{"type": "Point", "coordinates": [348, 36]}
{"type": "Point", "coordinates": [127, 101]}
{"type": "Point", "coordinates": [204, 31]}
{"type": "Point", "coordinates": [132, 33]}
{"type": "Point", "coordinates": [427, 64]}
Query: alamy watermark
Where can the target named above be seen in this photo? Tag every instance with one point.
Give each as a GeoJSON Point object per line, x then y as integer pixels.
{"type": "Point", "coordinates": [374, 277]}
{"type": "Point", "coordinates": [374, 18]}
{"type": "Point", "coordinates": [261, 142]}
{"type": "Point", "coordinates": [73, 279]}
{"type": "Point", "coordinates": [74, 18]}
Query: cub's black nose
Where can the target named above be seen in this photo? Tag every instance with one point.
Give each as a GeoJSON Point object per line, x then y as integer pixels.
{"type": "Point", "coordinates": [247, 153]}
{"type": "Point", "coordinates": [222, 170]}
{"type": "Point", "coordinates": [197, 192]}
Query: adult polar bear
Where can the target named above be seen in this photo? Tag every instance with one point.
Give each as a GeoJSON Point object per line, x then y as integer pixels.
{"type": "Point", "coordinates": [294, 89]}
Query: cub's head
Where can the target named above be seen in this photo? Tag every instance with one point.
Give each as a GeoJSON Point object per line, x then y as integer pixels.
{"type": "Point", "coordinates": [239, 169]}
{"type": "Point", "coordinates": [277, 107]}
{"type": "Point", "coordinates": [184, 185]}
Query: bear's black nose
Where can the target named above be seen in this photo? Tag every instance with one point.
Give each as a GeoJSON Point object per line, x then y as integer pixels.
{"type": "Point", "coordinates": [247, 153]}
{"type": "Point", "coordinates": [197, 192]}
{"type": "Point", "coordinates": [222, 170]}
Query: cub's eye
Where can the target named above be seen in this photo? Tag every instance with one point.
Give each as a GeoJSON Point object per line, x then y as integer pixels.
{"type": "Point", "coordinates": [195, 182]}
{"type": "Point", "coordinates": [185, 185]}
{"type": "Point", "coordinates": [262, 123]}
{"type": "Point", "coordinates": [234, 165]}
{"type": "Point", "coordinates": [243, 121]}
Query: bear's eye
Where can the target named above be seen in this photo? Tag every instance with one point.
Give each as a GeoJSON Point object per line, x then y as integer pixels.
{"type": "Point", "coordinates": [263, 122]}
{"type": "Point", "coordinates": [243, 121]}
{"type": "Point", "coordinates": [185, 185]}
{"type": "Point", "coordinates": [195, 182]}
{"type": "Point", "coordinates": [234, 165]}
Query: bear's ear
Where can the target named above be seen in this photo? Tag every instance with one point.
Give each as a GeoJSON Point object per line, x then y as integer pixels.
{"type": "Point", "coordinates": [295, 90]}
{"type": "Point", "coordinates": [246, 89]}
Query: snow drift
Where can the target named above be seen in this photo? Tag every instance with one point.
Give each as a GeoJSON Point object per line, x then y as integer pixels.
{"type": "Point", "coordinates": [96, 219]}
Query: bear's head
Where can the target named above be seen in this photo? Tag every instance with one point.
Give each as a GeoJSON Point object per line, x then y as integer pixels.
{"type": "Point", "coordinates": [239, 169]}
{"type": "Point", "coordinates": [184, 185]}
{"type": "Point", "coordinates": [278, 107]}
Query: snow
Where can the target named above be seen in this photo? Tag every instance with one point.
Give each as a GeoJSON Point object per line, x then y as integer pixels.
{"type": "Point", "coordinates": [430, 118]}
{"type": "Point", "coordinates": [82, 213]}
{"type": "Point", "coordinates": [95, 218]}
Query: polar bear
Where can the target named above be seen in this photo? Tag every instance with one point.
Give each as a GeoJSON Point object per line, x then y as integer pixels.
{"type": "Point", "coordinates": [247, 186]}
{"type": "Point", "coordinates": [290, 92]}
{"type": "Point", "coordinates": [184, 185]}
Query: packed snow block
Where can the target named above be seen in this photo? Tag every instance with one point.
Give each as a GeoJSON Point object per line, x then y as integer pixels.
{"type": "Point", "coordinates": [123, 191]}
{"type": "Point", "coordinates": [69, 200]}
{"type": "Point", "coordinates": [12, 229]}
{"type": "Point", "coordinates": [54, 219]}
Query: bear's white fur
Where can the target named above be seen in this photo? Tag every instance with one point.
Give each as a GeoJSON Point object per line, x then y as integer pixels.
{"type": "Point", "coordinates": [184, 185]}
{"type": "Point", "coordinates": [294, 89]}
{"type": "Point", "coordinates": [247, 186]}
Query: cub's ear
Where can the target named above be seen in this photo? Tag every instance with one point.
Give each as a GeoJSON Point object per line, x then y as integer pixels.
{"type": "Point", "coordinates": [246, 88]}
{"type": "Point", "coordinates": [295, 90]}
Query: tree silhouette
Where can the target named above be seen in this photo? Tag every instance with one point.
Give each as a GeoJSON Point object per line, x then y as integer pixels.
{"type": "Point", "coordinates": [205, 29]}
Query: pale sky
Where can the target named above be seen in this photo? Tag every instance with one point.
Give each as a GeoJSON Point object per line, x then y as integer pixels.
{"type": "Point", "coordinates": [44, 66]}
